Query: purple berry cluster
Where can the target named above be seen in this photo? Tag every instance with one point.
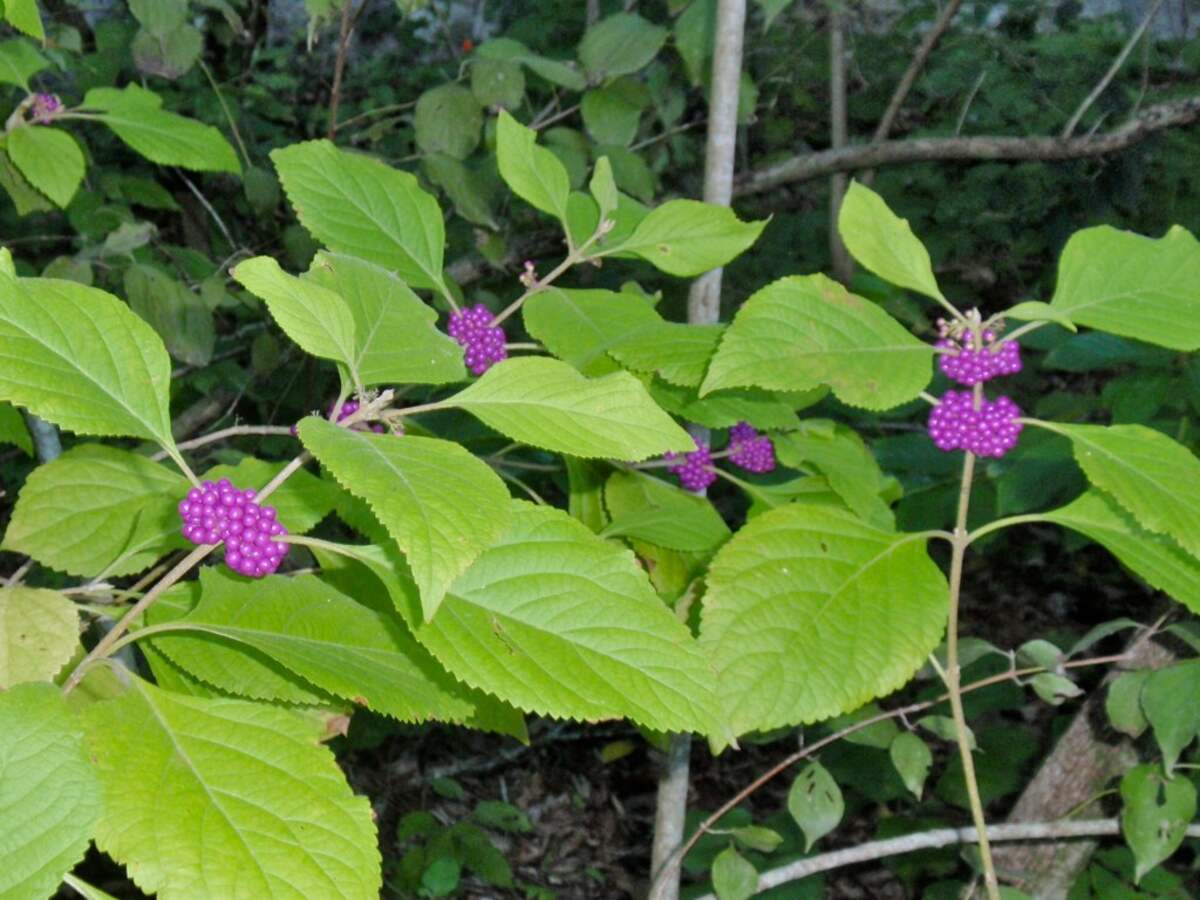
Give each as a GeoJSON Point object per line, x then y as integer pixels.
{"type": "Point", "coordinates": [750, 450]}
{"type": "Point", "coordinates": [484, 342]}
{"type": "Point", "coordinates": [991, 430]}
{"type": "Point", "coordinates": [45, 107]}
{"type": "Point", "coordinates": [349, 408]}
{"type": "Point", "coordinates": [217, 511]}
{"type": "Point", "coordinates": [969, 364]}
{"type": "Point", "coordinates": [695, 469]}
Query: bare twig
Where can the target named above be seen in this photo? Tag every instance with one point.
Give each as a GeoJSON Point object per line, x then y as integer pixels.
{"type": "Point", "coordinates": [1104, 82]}
{"type": "Point", "coordinates": [225, 108]}
{"type": "Point", "coordinates": [350, 16]}
{"type": "Point", "coordinates": [225, 433]}
{"type": "Point", "coordinates": [1163, 116]}
{"type": "Point", "coordinates": [208, 208]}
{"type": "Point", "coordinates": [940, 837]}
{"type": "Point", "coordinates": [839, 257]}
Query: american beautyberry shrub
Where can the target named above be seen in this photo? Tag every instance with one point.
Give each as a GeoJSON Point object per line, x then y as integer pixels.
{"type": "Point", "coordinates": [217, 512]}
{"type": "Point", "coordinates": [483, 342]}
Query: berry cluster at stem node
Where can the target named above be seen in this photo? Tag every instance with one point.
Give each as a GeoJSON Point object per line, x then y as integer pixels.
{"type": "Point", "coordinates": [991, 430]}
{"type": "Point", "coordinates": [45, 107]}
{"type": "Point", "coordinates": [484, 342]}
{"type": "Point", "coordinates": [695, 469]}
{"type": "Point", "coordinates": [750, 450]}
{"type": "Point", "coordinates": [349, 408]}
{"type": "Point", "coordinates": [971, 362]}
{"type": "Point", "coordinates": [218, 512]}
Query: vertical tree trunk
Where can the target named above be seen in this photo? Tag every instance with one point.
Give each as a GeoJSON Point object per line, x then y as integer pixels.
{"type": "Point", "coordinates": [843, 267]}
{"type": "Point", "coordinates": [704, 307]}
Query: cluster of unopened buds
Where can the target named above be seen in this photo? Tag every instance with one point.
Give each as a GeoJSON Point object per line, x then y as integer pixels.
{"type": "Point", "coordinates": [485, 343]}
{"type": "Point", "coordinates": [217, 512]}
{"type": "Point", "coordinates": [959, 420]}
{"type": "Point", "coordinates": [44, 108]}
{"type": "Point", "coordinates": [747, 449]}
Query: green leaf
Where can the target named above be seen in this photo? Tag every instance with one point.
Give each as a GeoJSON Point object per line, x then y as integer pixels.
{"type": "Point", "coordinates": [159, 16]}
{"type": "Point", "coordinates": [815, 802]}
{"type": "Point", "coordinates": [23, 15]}
{"type": "Point", "coordinates": [168, 55]}
{"type": "Point", "coordinates": [581, 326]}
{"type": "Point", "coordinates": [649, 509]}
{"type": "Point", "coordinates": [79, 358]}
{"type": "Point", "coordinates": [804, 331]}
{"type": "Point", "coordinates": [135, 116]}
{"type": "Point", "coordinates": [547, 404]}
{"type": "Point", "coordinates": [1053, 688]}
{"type": "Point", "coordinates": [611, 115]}
{"type": "Point", "coordinates": [557, 621]}
{"type": "Point", "coordinates": [96, 511]}
{"type": "Point", "coordinates": [19, 61]}
{"type": "Point", "coordinates": [533, 173]}
{"type": "Point", "coordinates": [325, 638]}
{"type": "Point", "coordinates": [838, 611]}
{"type": "Point", "coordinates": [13, 430]}
{"type": "Point", "coordinates": [439, 503]}
{"type": "Point", "coordinates": [687, 238]}
{"type": "Point", "coordinates": [1154, 478]}
{"type": "Point", "coordinates": [755, 837]}
{"type": "Point", "coordinates": [182, 319]}
{"type": "Point", "coordinates": [1036, 311]}
{"type": "Point", "coordinates": [300, 502]}
{"type": "Point", "coordinates": [1157, 559]}
{"type": "Point", "coordinates": [49, 797]}
{"type": "Point", "coordinates": [357, 205]}
{"type": "Point", "coordinates": [553, 70]}
{"type": "Point", "coordinates": [695, 37]}
{"type": "Point", "coordinates": [226, 798]}
{"type": "Point", "coordinates": [49, 158]}
{"type": "Point", "coordinates": [39, 631]}
{"type": "Point", "coordinates": [913, 759]}
{"type": "Point", "coordinates": [839, 454]}
{"type": "Point", "coordinates": [674, 352]}
{"type": "Point", "coordinates": [24, 197]}
{"type": "Point", "coordinates": [497, 82]}
{"type": "Point", "coordinates": [1171, 701]}
{"type": "Point", "coordinates": [1156, 814]}
{"type": "Point", "coordinates": [1133, 286]}
{"type": "Point", "coordinates": [733, 876]}
{"type": "Point", "coordinates": [585, 487]}
{"type": "Point", "coordinates": [316, 318]}
{"type": "Point", "coordinates": [463, 186]}
{"type": "Point", "coordinates": [619, 45]}
{"type": "Point", "coordinates": [603, 187]}
{"type": "Point", "coordinates": [1123, 703]}
{"type": "Point", "coordinates": [722, 409]}
{"type": "Point", "coordinates": [395, 337]}
{"type": "Point", "coordinates": [448, 120]}
{"type": "Point", "coordinates": [884, 243]}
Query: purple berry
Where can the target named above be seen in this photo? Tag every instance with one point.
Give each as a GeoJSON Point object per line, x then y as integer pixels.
{"type": "Point", "coordinates": [484, 342]}
{"type": "Point", "coordinates": [45, 107]}
{"type": "Point", "coordinates": [217, 511]}
{"type": "Point", "coordinates": [750, 450]}
{"type": "Point", "coordinates": [970, 365]}
{"type": "Point", "coordinates": [991, 430]}
{"type": "Point", "coordinates": [695, 471]}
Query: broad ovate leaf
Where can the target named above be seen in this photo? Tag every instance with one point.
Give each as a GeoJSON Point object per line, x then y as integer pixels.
{"type": "Point", "coordinates": [801, 332]}
{"type": "Point", "coordinates": [838, 453]}
{"type": "Point", "coordinates": [533, 173]}
{"type": "Point", "coordinates": [548, 404]}
{"type": "Point", "coordinates": [83, 360]}
{"type": "Point", "coordinates": [316, 318]}
{"type": "Point", "coordinates": [19, 61]}
{"type": "Point", "coordinates": [815, 802]}
{"type": "Point", "coordinates": [395, 336]}
{"type": "Point", "coordinates": [686, 238]}
{"type": "Point", "coordinates": [357, 205]}
{"type": "Point", "coordinates": [649, 509]}
{"type": "Point", "coordinates": [1154, 478]}
{"type": "Point", "coordinates": [226, 798]}
{"type": "Point", "coordinates": [39, 631]}
{"type": "Point", "coordinates": [620, 45]}
{"type": "Point", "coordinates": [838, 612]}
{"type": "Point", "coordinates": [884, 242]}
{"type": "Point", "coordinates": [327, 639]}
{"type": "Point", "coordinates": [97, 510]}
{"type": "Point", "coordinates": [579, 326]}
{"type": "Point", "coordinates": [439, 503]}
{"type": "Point", "coordinates": [557, 621]}
{"type": "Point", "coordinates": [1171, 702]}
{"type": "Point", "coordinates": [1155, 558]}
{"type": "Point", "coordinates": [676, 353]}
{"type": "Point", "coordinates": [49, 159]}
{"type": "Point", "coordinates": [1134, 286]}
{"type": "Point", "coordinates": [49, 794]}
{"type": "Point", "coordinates": [136, 117]}
{"type": "Point", "coordinates": [1155, 815]}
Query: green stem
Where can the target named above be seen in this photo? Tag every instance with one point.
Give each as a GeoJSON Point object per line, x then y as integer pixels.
{"type": "Point", "coordinates": [225, 108]}
{"type": "Point", "coordinates": [1000, 524]}
{"type": "Point", "coordinates": [953, 678]}
{"type": "Point", "coordinates": [575, 256]}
